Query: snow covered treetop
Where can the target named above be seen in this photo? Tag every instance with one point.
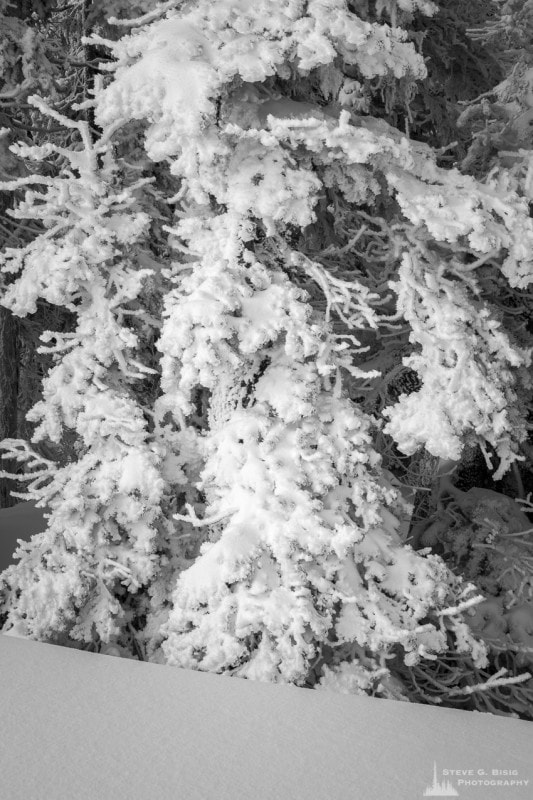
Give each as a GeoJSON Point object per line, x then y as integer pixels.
{"type": "Point", "coordinates": [172, 71]}
{"type": "Point", "coordinates": [197, 74]}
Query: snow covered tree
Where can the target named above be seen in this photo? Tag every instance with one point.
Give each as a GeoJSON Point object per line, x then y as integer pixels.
{"type": "Point", "coordinates": [40, 52]}
{"type": "Point", "coordinates": [226, 508]}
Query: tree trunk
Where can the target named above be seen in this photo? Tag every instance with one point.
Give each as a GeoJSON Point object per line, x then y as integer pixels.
{"type": "Point", "coordinates": [10, 167]}
{"type": "Point", "coordinates": [9, 375]}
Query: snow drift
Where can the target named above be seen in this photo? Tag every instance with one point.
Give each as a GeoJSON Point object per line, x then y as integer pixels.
{"type": "Point", "coordinates": [79, 725]}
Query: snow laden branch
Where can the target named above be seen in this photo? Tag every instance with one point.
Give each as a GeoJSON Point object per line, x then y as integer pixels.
{"type": "Point", "coordinates": [470, 369]}
{"type": "Point", "coordinates": [351, 301]}
{"type": "Point", "coordinates": [108, 527]}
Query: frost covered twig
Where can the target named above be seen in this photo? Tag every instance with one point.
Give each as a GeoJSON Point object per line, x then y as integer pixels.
{"type": "Point", "coordinates": [196, 522]}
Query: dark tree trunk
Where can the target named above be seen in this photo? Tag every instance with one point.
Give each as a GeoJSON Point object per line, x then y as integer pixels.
{"type": "Point", "coordinates": [10, 168]}
{"type": "Point", "coordinates": [9, 371]}
{"type": "Point", "coordinates": [9, 383]}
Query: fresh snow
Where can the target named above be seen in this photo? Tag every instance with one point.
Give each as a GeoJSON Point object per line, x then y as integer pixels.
{"type": "Point", "coordinates": [78, 726]}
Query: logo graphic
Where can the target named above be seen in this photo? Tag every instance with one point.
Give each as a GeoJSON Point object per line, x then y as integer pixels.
{"type": "Point", "coordinates": [444, 789]}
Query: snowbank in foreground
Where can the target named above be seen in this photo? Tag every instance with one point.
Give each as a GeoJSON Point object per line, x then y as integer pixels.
{"type": "Point", "coordinates": [77, 726]}
{"type": "Point", "coordinates": [19, 522]}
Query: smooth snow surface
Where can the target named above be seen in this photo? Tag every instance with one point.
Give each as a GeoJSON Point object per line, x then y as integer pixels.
{"type": "Point", "coordinates": [79, 726]}
{"type": "Point", "coordinates": [19, 522]}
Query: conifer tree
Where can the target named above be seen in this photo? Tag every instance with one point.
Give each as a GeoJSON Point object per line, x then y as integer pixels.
{"type": "Point", "coordinates": [235, 516]}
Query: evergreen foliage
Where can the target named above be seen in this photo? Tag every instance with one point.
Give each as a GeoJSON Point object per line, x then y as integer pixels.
{"type": "Point", "coordinates": [255, 264]}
